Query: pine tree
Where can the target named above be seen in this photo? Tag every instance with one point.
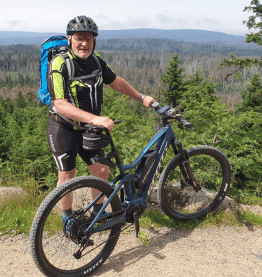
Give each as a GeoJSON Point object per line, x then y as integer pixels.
{"type": "Point", "coordinates": [252, 99]}
{"type": "Point", "coordinates": [254, 22]}
{"type": "Point", "coordinates": [174, 81]}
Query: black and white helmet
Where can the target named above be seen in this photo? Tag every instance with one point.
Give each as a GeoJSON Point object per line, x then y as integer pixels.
{"type": "Point", "coordinates": [82, 24]}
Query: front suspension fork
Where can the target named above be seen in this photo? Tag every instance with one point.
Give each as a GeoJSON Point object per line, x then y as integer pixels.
{"type": "Point", "coordinates": [184, 165]}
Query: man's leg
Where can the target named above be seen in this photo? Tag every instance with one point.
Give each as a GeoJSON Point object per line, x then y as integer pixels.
{"type": "Point", "coordinates": [63, 176]}
{"type": "Point", "coordinates": [98, 170]}
{"type": "Point", "coordinates": [101, 171]}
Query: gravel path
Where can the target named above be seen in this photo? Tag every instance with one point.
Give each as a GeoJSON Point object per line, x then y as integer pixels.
{"type": "Point", "coordinates": [226, 251]}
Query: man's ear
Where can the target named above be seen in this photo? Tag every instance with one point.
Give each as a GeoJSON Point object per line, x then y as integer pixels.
{"type": "Point", "coordinates": [69, 39]}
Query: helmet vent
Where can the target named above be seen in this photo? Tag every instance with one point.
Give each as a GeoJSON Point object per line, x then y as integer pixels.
{"type": "Point", "coordinates": [82, 24]}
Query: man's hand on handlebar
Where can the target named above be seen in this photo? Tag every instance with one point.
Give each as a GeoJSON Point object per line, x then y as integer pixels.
{"type": "Point", "coordinates": [104, 122]}
{"type": "Point", "coordinates": [148, 100]}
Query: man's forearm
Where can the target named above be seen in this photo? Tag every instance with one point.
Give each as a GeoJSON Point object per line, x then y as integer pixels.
{"type": "Point", "coordinates": [70, 111]}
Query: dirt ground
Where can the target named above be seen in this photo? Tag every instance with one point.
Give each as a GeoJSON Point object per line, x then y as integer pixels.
{"type": "Point", "coordinates": [227, 251]}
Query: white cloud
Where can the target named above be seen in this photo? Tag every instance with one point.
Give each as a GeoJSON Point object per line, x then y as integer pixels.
{"type": "Point", "coordinates": [207, 20]}
{"type": "Point", "coordinates": [53, 16]}
{"type": "Point", "coordinates": [14, 22]}
{"type": "Point", "coordinates": [102, 16]}
{"type": "Point", "coordinates": [164, 18]}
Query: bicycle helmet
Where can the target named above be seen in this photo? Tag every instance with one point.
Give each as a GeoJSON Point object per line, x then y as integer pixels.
{"type": "Point", "coordinates": [93, 141]}
{"type": "Point", "coordinates": [82, 24]}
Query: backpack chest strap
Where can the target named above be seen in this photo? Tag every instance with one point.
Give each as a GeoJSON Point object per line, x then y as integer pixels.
{"type": "Point", "coordinates": [71, 69]}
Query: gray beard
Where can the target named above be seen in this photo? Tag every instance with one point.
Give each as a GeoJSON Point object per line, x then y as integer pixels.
{"type": "Point", "coordinates": [76, 54]}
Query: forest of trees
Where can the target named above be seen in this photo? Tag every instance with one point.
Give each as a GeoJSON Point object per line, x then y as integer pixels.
{"type": "Point", "coordinates": [182, 48]}
{"type": "Point", "coordinates": [143, 69]}
{"type": "Point", "coordinates": [175, 73]}
{"type": "Point", "coordinates": [23, 126]}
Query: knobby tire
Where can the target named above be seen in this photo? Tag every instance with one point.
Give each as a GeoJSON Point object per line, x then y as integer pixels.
{"type": "Point", "coordinates": [51, 250]}
{"type": "Point", "coordinates": [212, 173]}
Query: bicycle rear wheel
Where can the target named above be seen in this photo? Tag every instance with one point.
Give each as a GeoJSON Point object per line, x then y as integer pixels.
{"type": "Point", "coordinates": [53, 250]}
{"type": "Point", "coordinates": [212, 173]}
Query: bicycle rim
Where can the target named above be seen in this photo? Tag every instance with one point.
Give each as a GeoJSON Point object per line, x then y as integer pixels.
{"type": "Point", "coordinates": [53, 249]}
{"type": "Point", "coordinates": [211, 171]}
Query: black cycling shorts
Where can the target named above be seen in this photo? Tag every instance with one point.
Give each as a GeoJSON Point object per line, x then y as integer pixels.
{"type": "Point", "coordinates": [65, 144]}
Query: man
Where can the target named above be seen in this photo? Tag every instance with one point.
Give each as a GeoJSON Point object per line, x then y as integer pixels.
{"type": "Point", "coordinates": [81, 103]}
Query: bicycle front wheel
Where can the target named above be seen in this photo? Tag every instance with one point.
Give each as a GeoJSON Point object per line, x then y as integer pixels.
{"type": "Point", "coordinates": [212, 173]}
{"type": "Point", "coordinates": [55, 250]}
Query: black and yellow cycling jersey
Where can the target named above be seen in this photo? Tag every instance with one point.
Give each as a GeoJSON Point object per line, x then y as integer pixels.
{"type": "Point", "coordinates": [87, 94]}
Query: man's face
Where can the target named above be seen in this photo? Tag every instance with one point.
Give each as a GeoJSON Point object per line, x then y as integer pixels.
{"type": "Point", "coordinates": [82, 44]}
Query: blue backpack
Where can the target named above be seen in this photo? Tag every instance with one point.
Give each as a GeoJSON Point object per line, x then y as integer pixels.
{"type": "Point", "coordinates": [51, 47]}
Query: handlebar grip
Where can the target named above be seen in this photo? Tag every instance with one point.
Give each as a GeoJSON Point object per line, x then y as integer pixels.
{"type": "Point", "coordinates": [186, 123]}
{"type": "Point", "coordinates": [100, 128]}
{"type": "Point", "coordinates": [90, 126]}
{"type": "Point", "coordinates": [117, 121]}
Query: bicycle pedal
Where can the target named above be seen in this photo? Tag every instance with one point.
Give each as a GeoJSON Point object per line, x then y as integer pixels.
{"type": "Point", "coordinates": [136, 220]}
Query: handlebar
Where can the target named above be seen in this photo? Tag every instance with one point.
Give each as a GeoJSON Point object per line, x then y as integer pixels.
{"type": "Point", "coordinates": [166, 112]}
{"type": "Point", "coordinates": [171, 113]}
{"type": "Point", "coordinates": [99, 128]}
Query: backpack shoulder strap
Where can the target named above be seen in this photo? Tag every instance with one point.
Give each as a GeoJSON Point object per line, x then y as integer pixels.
{"type": "Point", "coordinates": [69, 64]}
{"type": "Point", "coordinates": [97, 61]}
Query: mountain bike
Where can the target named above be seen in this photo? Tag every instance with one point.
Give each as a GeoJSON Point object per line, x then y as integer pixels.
{"type": "Point", "coordinates": [192, 184]}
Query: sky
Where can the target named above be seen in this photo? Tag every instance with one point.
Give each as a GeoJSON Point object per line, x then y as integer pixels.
{"type": "Point", "coordinates": [53, 15]}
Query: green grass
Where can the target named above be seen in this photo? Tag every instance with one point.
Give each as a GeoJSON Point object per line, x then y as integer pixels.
{"type": "Point", "coordinates": [153, 218]}
{"type": "Point", "coordinates": [17, 211]}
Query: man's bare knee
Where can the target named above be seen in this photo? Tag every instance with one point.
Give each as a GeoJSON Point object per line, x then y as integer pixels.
{"type": "Point", "coordinates": [99, 170]}
{"type": "Point", "coordinates": [64, 176]}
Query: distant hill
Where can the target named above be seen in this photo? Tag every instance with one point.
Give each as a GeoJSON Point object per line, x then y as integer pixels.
{"type": "Point", "coordinates": [10, 38]}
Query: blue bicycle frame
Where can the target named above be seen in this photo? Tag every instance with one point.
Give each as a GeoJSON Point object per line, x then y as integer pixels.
{"type": "Point", "coordinates": [162, 139]}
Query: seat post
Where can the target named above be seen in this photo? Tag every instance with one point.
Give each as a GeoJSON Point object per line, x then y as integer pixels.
{"type": "Point", "coordinates": [115, 153]}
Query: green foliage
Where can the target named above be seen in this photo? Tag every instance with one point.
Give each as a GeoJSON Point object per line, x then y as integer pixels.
{"type": "Point", "coordinates": [135, 131]}
{"type": "Point", "coordinates": [251, 96]}
{"type": "Point", "coordinates": [237, 135]}
{"type": "Point", "coordinates": [232, 217]}
{"type": "Point", "coordinates": [253, 22]}
{"type": "Point", "coordinates": [153, 218]}
{"type": "Point", "coordinates": [174, 81]}
{"type": "Point", "coordinates": [25, 147]}
{"type": "Point", "coordinates": [143, 237]}
{"type": "Point", "coordinates": [17, 211]}
{"type": "Point", "coordinates": [238, 65]}
{"type": "Point", "coordinates": [12, 81]}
